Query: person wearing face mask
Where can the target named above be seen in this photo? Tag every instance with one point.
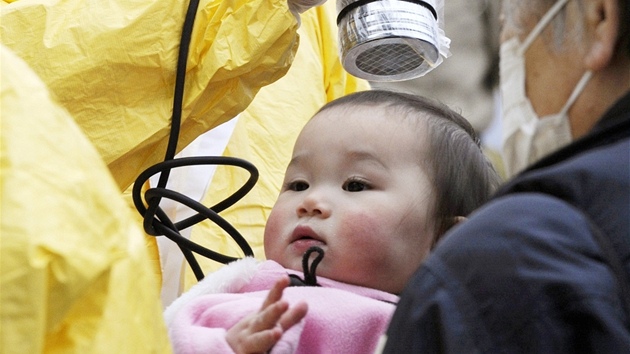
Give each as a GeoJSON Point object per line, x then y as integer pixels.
{"type": "Point", "coordinates": [544, 266]}
{"type": "Point", "coordinates": [528, 136]}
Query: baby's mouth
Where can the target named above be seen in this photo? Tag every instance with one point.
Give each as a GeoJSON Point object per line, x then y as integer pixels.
{"type": "Point", "coordinates": [305, 242]}
{"type": "Point", "coordinates": [309, 239]}
{"type": "Point", "coordinates": [304, 238]}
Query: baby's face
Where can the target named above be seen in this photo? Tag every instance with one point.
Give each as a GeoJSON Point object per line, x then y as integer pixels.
{"type": "Point", "coordinates": [356, 188]}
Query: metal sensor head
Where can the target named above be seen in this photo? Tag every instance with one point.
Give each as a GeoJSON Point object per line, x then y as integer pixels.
{"type": "Point", "coordinates": [388, 40]}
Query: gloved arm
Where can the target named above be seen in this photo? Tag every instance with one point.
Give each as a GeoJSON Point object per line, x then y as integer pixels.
{"type": "Point", "coordinates": [299, 6]}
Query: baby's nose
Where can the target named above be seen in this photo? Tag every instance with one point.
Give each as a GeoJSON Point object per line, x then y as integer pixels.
{"type": "Point", "coordinates": [313, 205]}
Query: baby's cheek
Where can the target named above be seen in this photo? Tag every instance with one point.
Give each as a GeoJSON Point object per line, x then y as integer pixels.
{"type": "Point", "coordinates": [357, 221]}
{"type": "Point", "coordinates": [371, 256]}
{"type": "Point", "coordinates": [272, 233]}
{"type": "Point", "coordinates": [365, 230]}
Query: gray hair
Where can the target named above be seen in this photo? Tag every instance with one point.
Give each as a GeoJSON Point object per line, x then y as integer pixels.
{"type": "Point", "coordinates": [558, 33]}
{"type": "Point", "coordinates": [561, 35]}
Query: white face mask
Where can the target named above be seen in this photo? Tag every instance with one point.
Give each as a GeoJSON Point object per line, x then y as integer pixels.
{"type": "Point", "coordinates": [526, 137]}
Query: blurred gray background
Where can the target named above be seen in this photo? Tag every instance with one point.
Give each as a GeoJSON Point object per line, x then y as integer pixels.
{"type": "Point", "coordinates": [467, 81]}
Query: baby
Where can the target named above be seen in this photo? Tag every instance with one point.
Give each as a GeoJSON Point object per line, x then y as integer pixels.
{"type": "Point", "coordinates": [375, 179]}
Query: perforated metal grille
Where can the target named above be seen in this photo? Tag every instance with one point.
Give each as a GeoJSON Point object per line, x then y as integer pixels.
{"type": "Point", "coordinates": [389, 59]}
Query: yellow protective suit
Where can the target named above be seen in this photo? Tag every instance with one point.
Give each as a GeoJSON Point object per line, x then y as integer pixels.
{"type": "Point", "coordinates": [75, 274]}
{"type": "Point", "coordinates": [112, 63]}
{"type": "Point", "coordinates": [266, 131]}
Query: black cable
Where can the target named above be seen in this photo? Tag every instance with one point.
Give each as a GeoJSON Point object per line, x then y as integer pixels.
{"type": "Point", "coordinates": [310, 278]}
{"type": "Point", "coordinates": [309, 272]}
{"type": "Point", "coordinates": [156, 222]}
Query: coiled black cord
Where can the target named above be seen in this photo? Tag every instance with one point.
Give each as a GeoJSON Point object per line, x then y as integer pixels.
{"type": "Point", "coordinates": [156, 222]}
{"type": "Point", "coordinates": [310, 278]}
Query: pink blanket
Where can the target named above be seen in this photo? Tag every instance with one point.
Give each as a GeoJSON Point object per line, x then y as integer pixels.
{"type": "Point", "coordinates": [342, 318]}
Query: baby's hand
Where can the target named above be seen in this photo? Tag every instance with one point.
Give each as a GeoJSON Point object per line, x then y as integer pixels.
{"type": "Point", "coordinates": [259, 332]}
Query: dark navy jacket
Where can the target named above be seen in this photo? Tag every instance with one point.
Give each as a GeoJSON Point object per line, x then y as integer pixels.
{"type": "Point", "coordinates": [526, 273]}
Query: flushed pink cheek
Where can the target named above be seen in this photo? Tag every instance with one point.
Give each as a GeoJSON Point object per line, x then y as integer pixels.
{"type": "Point", "coordinates": [272, 236]}
{"type": "Point", "coordinates": [364, 231]}
{"type": "Point", "coordinates": [362, 255]}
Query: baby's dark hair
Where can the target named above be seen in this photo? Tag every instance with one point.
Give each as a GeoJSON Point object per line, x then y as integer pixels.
{"type": "Point", "coordinates": [462, 176]}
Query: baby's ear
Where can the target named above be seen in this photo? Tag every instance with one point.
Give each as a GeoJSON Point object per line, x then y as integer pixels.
{"type": "Point", "coordinates": [458, 219]}
{"type": "Point", "coordinates": [453, 221]}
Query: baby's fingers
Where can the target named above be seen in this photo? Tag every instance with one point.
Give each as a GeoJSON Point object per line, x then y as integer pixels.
{"type": "Point", "coordinates": [261, 342]}
{"type": "Point", "coordinates": [294, 315]}
{"type": "Point", "coordinates": [275, 294]}
{"type": "Point", "coordinates": [268, 318]}
{"type": "Point", "coordinates": [243, 340]}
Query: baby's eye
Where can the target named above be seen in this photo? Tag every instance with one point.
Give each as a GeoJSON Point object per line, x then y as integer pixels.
{"type": "Point", "coordinates": [297, 186]}
{"type": "Point", "coordinates": [355, 186]}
